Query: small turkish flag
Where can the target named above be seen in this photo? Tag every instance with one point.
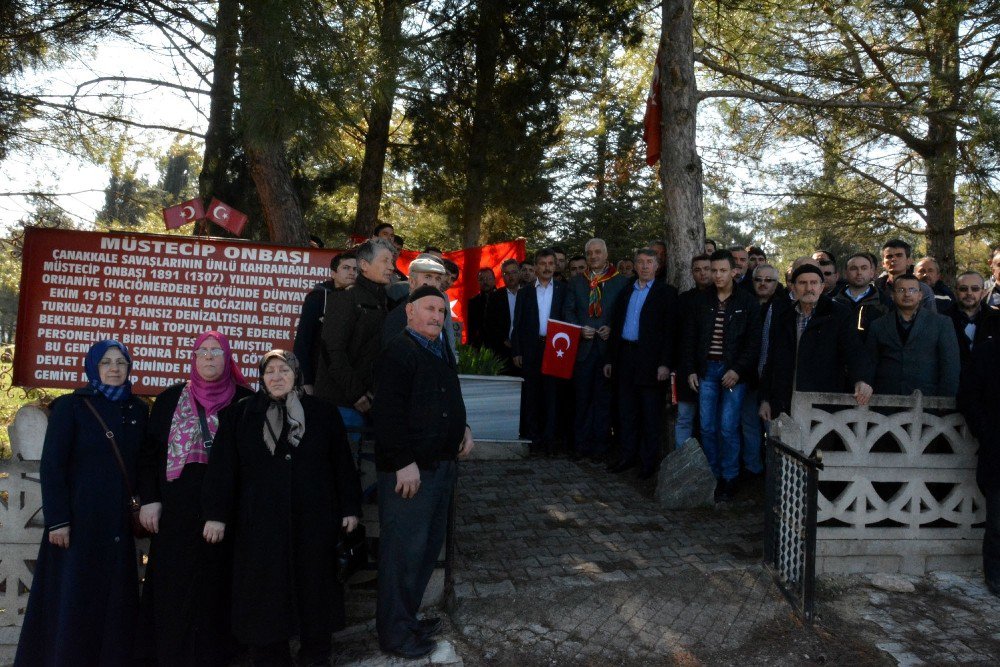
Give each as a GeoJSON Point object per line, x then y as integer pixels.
{"type": "Point", "coordinates": [226, 216]}
{"type": "Point", "coordinates": [182, 214]}
{"type": "Point", "coordinates": [561, 340]}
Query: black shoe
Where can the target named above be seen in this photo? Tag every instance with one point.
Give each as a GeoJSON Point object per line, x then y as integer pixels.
{"type": "Point", "coordinates": [575, 456]}
{"type": "Point", "coordinates": [993, 587]}
{"type": "Point", "coordinates": [718, 488]}
{"type": "Point", "coordinates": [728, 492]}
{"type": "Point", "coordinates": [417, 648]}
{"type": "Point", "coordinates": [429, 626]}
{"type": "Point", "coordinates": [647, 473]}
{"type": "Point", "coordinates": [622, 467]}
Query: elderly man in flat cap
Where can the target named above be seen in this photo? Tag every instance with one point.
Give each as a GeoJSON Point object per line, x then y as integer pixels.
{"type": "Point", "coordinates": [426, 269]}
{"type": "Point", "coordinates": [420, 431]}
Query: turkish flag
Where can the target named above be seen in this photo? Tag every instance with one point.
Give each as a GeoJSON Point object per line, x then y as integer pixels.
{"type": "Point", "coordinates": [226, 216]}
{"type": "Point", "coordinates": [651, 123]}
{"type": "Point", "coordinates": [182, 214]}
{"type": "Point", "coordinates": [469, 262]}
{"type": "Point", "coordinates": [561, 339]}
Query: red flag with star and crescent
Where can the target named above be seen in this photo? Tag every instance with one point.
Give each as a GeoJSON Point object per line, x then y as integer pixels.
{"type": "Point", "coordinates": [226, 216]}
{"type": "Point", "coordinates": [561, 340]}
{"type": "Point", "coordinates": [182, 214]}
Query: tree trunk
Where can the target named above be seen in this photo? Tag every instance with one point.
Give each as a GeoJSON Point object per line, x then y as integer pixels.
{"type": "Point", "coordinates": [601, 148]}
{"type": "Point", "coordinates": [267, 96]}
{"type": "Point", "coordinates": [680, 164]}
{"type": "Point", "coordinates": [219, 141]}
{"type": "Point", "coordinates": [941, 163]}
{"type": "Point", "coordinates": [487, 55]}
{"type": "Point", "coordinates": [380, 117]}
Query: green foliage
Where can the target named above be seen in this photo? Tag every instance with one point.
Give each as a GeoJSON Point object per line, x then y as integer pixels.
{"type": "Point", "coordinates": [478, 361]}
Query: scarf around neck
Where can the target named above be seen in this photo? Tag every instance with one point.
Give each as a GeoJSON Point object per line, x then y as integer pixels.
{"type": "Point", "coordinates": [92, 366]}
{"type": "Point", "coordinates": [595, 307]}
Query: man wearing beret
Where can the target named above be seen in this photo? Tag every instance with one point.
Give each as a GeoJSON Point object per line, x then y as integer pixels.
{"type": "Point", "coordinates": [814, 346]}
{"type": "Point", "coordinates": [420, 432]}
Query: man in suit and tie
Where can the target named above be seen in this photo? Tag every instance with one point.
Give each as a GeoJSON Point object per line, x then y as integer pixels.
{"type": "Point", "coordinates": [590, 301]}
{"type": "Point", "coordinates": [500, 314]}
{"type": "Point", "coordinates": [536, 303]}
{"type": "Point", "coordinates": [640, 353]}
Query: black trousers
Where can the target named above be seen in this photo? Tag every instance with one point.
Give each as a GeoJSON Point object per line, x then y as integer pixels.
{"type": "Point", "coordinates": [411, 534]}
{"type": "Point", "coordinates": [539, 400]}
{"type": "Point", "coordinates": [640, 408]}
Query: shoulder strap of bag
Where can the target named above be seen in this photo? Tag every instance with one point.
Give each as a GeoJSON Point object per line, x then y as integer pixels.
{"type": "Point", "coordinates": [206, 434]}
{"type": "Point", "coordinates": [114, 445]}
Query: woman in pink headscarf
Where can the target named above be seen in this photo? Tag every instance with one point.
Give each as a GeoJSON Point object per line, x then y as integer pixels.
{"type": "Point", "coordinates": [185, 601]}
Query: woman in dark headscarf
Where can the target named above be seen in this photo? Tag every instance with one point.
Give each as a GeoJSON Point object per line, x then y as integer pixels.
{"type": "Point", "coordinates": [185, 601]}
{"type": "Point", "coordinates": [85, 592]}
{"type": "Point", "coordinates": [283, 477]}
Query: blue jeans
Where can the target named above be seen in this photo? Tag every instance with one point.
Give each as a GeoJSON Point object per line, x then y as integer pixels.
{"type": "Point", "coordinates": [752, 433]}
{"type": "Point", "coordinates": [352, 419]}
{"type": "Point", "coordinates": [720, 421]}
{"type": "Point", "coordinates": [684, 426]}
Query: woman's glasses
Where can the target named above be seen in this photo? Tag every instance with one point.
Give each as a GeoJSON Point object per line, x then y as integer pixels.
{"type": "Point", "coordinates": [208, 352]}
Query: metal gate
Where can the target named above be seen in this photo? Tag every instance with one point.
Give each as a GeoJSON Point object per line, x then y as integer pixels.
{"type": "Point", "coordinates": [790, 523]}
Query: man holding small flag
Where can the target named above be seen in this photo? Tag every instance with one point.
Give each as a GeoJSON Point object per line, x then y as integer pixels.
{"type": "Point", "coordinates": [640, 354]}
{"type": "Point", "coordinates": [534, 306]}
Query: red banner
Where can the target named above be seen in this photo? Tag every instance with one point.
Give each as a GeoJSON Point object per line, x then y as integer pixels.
{"type": "Point", "coordinates": [561, 344]}
{"type": "Point", "coordinates": [157, 293]}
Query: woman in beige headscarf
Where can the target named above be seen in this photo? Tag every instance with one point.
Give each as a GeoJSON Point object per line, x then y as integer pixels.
{"type": "Point", "coordinates": [282, 471]}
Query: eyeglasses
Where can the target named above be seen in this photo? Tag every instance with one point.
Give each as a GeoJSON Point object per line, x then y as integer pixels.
{"type": "Point", "coordinates": [969, 288]}
{"type": "Point", "coordinates": [108, 363]}
{"type": "Point", "coordinates": [765, 280]}
{"type": "Point", "coordinates": [906, 290]}
{"type": "Point", "coordinates": [208, 352]}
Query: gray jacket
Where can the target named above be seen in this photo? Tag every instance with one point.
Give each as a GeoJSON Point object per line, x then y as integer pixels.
{"type": "Point", "coordinates": [575, 310]}
{"type": "Point", "coordinates": [928, 361]}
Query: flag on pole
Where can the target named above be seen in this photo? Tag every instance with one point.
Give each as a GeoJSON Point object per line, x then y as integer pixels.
{"type": "Point", "coordinates": [560, 349]}
{"type": "Point", "coordinates": [651, 124]}
{"type": "Point", "coordinates": [226, 216]}
{"type": "Point", "coordinates": [182, 214]}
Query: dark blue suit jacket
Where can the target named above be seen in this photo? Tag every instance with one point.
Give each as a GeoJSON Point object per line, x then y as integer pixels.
{"type": "Point", "coordinates": [524, 339]}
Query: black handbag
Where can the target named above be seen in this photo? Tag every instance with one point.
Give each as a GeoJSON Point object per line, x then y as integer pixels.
{"type": "Point", "coordinates": [352, 552]}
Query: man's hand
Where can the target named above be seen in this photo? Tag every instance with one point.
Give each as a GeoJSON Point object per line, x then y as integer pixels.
{"type": "Point", "coordinates": [765, 411]}
{"type": "Point", "coordinates": [308, 389]}
{"type": "Point", "coordinates": [149, 516]}
{"type": "Point", "coordinates": [60, 537]}
{"type": "Point", "coordinates": [214, 531]}
{"type": "Point", "coordinates": [588, 332]}
{"type": "Point", "coordinates": [408, 481]}
{"type": "Point", "coordinates": [467, 444]}
{"type": "Point", "coordinates": [363, 404]}
{"type": "Point", "coordinates": [662, 373]}
{"type": "Point", "coordinates": [862, 392]}
{"type": "Point", "coordinates": [607, 370]}
{"type": "Point", "coordinates": [517, 360]}
{"type": "Point", "coordinates": [349, 523]}
{"type": "Point", "coordinates": [693, 381]}
{"type": "Point", "coordinates": [730, 379]}
{"type": "Point", "coordinates": [604, 332]}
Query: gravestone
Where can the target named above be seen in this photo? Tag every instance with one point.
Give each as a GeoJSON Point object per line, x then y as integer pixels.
{"type": "Point", "coordinates": [686, 480]}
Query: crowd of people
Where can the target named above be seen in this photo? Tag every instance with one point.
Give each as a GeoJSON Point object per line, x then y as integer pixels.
{"type": "Point", "coordinates": [245, 494]}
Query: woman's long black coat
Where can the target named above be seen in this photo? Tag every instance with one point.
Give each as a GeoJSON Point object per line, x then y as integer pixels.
{"type": "Point", "coordinates": [185, 597]}
{"type": "Point", "coordinates": [285, 511]}
{"type": "Point", "coordinates": [83, 601]}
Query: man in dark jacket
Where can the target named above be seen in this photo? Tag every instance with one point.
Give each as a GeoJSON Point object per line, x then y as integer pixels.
{"type": "Point", "coordinates": [928, 271]}
{"type": "Point", "coordinates": [687, 399]}
{"type": "Point", "coordinates": [500, 314]}
{"type": "Point", "coordinates": [913, 348]}
{"type": "Point", "coordinates": [977, 401]}
{"type": "Point", "coordinates": [721, 347]}
{"type": "Point", "coordinates": [477, 306]}
{"type": "Point", "coordinates": [640, 351]}
{"type": "Point", "coordinates": [813, 347]}
{"type": "Point", "coordinates": [590, 300]}
{"type": "Point", "coordinates": [352, 335]}
{"type": "Point", "coordinates": [974, 321]}
{"type": "Point", "coordinates": [536, 303]}
{"type": "Point", "coordinates": [420, 431]}
{"type": "Point", "coordinates": [866, 302]}
{"type": "Point", "coordinates": [309, 334]}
